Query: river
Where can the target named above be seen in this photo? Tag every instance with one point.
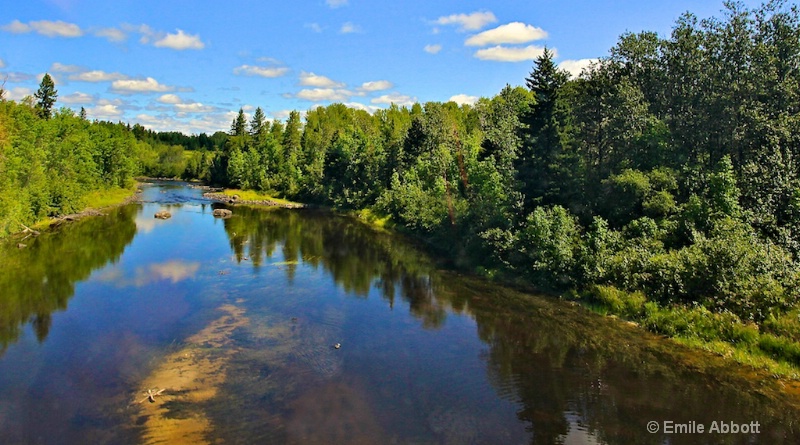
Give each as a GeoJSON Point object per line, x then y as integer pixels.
{"type": "Point", "coordinates": [301, 327]}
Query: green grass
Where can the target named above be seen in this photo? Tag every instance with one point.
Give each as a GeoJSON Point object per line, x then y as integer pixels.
{"type": "Point", "coordinates": [373, 219]}
{"type": "Point", "coordinates": [252, 195]}
{"type": "Point", "coordinates": [109, 197]}
{"type": "Point", "coordinates": [773, 346]}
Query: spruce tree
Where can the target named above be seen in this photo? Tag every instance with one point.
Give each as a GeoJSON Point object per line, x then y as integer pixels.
{"type": "Point", "coordinates": [46, 95]}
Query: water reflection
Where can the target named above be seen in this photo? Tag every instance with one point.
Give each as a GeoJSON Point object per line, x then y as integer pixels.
{"type": "Point", "coordinates": [40, 278]}
{"type": "Point", "coordinates": [574, 377]}
{"type": "Point", "coordinates": [250, 307]}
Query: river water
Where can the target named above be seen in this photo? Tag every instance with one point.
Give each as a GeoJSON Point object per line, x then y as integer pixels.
{"type": "Point", "coordinates": [300, 327]}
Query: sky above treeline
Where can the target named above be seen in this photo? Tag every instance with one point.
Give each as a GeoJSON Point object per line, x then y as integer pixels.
{"type": "Point", "coordinates": [190, 65]}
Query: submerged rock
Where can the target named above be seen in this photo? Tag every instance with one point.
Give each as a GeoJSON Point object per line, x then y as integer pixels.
{"type": "Point", "coordinates": [222, 213]}
{"type": "Point", "coordinates": [163, 215]}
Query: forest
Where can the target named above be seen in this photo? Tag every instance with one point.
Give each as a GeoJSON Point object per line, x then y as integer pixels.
{"type": "Point", "coordinates": [660, 185]}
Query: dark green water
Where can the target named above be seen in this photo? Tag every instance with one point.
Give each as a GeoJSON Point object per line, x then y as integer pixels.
{"type": "Point", "coordinates": [89, 311]}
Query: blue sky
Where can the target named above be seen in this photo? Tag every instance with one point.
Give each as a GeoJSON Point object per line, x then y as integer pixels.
{"type": "Point", "coordinates": [190, 65]}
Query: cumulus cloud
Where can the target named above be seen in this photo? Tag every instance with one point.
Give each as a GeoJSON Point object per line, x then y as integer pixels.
{"type": "Point", "coordinates": [515, 32]}
{"type": "Point", "coordinates": [510, 54]}
{"type": "Point", "coordinates": [394, 98]}
{"type": "Point", "coordinates": [133, 86]}
{"type": "Point", "coordinates": [463, 99]}
{"type": "Point", "coordinates": [44, 27]}
{"type": "Point", "coordinates": [376, 85]}
{"type": "Point", "coordinates": [314, 80]}
{"type": "Point", "coordinates": [96, 76]}
{"type": "Point", "coordinates": [575, 67]}
{"type": "Point", "coordinates": [180, 41]}
{"type": "Point", "coordinates": [468, 22]}
{"type": "Point", "coordinates": [16, 27]}
{"type": "Point", "coordinates": [336, 3]}
{"type": "Point", "coordinates": [324, 94]}
{"type": "Point", "coordinates": [18, 93]}
{"type": "Point", "coordinates": [78, 98]}
{"type": "Point", "coordinates": [63, 68]}
{"type": "Point", "coordinates": [171, 99]}
{"type": "Point", "coordinates": [359, 106]}
{"type": "Point", "coordinates": [349, 28]}
{"type": "Point", "coordinates": [432, 49]}
{"type": "Point", "coordinates": [104, 111]}
{"type": "Point", "coordinates": [16, 77]}
{"type": "Point", "coordinates": [263, 71]}
{"type": "Point", "coordinates": [111, 34]}
{"type": "Point", "coordinates": [194, 107]}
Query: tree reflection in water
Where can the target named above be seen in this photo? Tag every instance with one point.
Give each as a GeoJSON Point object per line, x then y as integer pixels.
{"type": "Point", "coordinates": [40, 278]}
{"type": "Point", "coordinates": [565, 368]}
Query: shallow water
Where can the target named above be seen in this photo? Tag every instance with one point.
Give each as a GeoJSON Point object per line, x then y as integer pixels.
{"type": "Point", "coordinates": [232, 323]}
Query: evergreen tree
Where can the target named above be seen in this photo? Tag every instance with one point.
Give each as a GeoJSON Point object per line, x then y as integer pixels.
{"type": "Point", "coordinates": [546, 145]}
{"type": "Point", "coordinates": [46, 95]}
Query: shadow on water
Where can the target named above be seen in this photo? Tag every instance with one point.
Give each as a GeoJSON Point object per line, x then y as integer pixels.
{"type": "Point", "coordinates": [572, 376]}
{"type": "Point", "coordinates": [40, 278]}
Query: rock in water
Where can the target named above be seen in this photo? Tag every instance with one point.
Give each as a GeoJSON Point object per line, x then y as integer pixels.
{"type": "Point", "coordinates": [163, 215]}
{"type": "Point", "coordinates": [222, 213]}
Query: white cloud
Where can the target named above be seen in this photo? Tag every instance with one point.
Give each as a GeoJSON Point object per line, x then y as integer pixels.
{"type": "Point", "coordinates": [281, 114]}
{"type": "Point", "coordinates": [2, 64]}
{"type": "Point", "coordinates": [132, 86]}
{"type": "Point", "coordinates": [62, 68]}
{"type": "Point", "coordinates": [44, 27]}
{"type": "Point", "coordinates": [314, 27]}
{"type": "Point", "coordinates": [77, 98]}
{"type": "Point", "coordinates": [394, 98]}
{"type": "Point", "coordinates": [314, 80]}
{"type": "Point", "coordinates": [376, 85]}
{"type": "Point", "coordinates": [575, 67]}
{"type": "Point", "coordinates": [468, 22]}
{"type": "Point", "coordinates": [171, 99]}
{"type": "Point", "coordinates": [111, 34]}
{"type": "Point", "coordinates": [263, 71]}
{"type": "Point", "coordinates": [324, 94]}
{"type": "Point", "coordinates": [336, 3]}
{"type": "Point", "coordinates": [104, 111]}
{"type": "Point", "coordinates": [510, 54]}
{"type": "Point", "coordinates": [180, 41]}
{"type": "Point", "coordinates": [194, 107]}
{"type": "Point", "coordinates": [349, 28]}
{"type": "Point", "coordinates": [463, 99]}
{"type": "Point", "coordinates": [515, 32]}
{"type": "Point", "coordinates": [359, 106]}
{"type": "Point", "coordinates": [18, 93]}
{"type": "Point", "coordinates": [16, 77]}
{"type": "Point", "coordinates": [16, 27]}
{"type": "Point", "coordinates": [432, 49]}
{"type": "Point", "coordinates": [96, 76]}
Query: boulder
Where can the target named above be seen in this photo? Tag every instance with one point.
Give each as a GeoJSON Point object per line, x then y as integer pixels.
{"type": "Point", "coordinates": [163, 215]}
{"type": "Point", "coordinates": [222, 213]}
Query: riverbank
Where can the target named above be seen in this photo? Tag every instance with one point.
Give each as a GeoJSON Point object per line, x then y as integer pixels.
{"type": "Point", "coordinates": [771, 347]}
{"type": "Point", "coordinates": [95, 203]}
{"type": "Point", "coordinates": [250, 197]}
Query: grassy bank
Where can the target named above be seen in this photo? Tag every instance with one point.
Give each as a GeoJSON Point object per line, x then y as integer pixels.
{"type": "Point", "coordinates": [773, 345]}
{"type": "Point", "coordinates": [255, 197]}
{"type": "Point", "coordinates": [93, 202]}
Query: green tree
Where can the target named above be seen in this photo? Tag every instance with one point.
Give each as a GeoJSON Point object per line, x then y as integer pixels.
{"type": "Point", "coordinates": [46, 96]}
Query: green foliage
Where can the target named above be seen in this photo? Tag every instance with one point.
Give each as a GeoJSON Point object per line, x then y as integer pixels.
{"type": "Point", "coordinates": [46, 96]}
{"type": "Point", "coordinates": [49, 166]}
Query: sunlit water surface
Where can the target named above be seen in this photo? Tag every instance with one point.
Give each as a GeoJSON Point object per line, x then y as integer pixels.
{"type": "Point", "coordinates": [296, 326]}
